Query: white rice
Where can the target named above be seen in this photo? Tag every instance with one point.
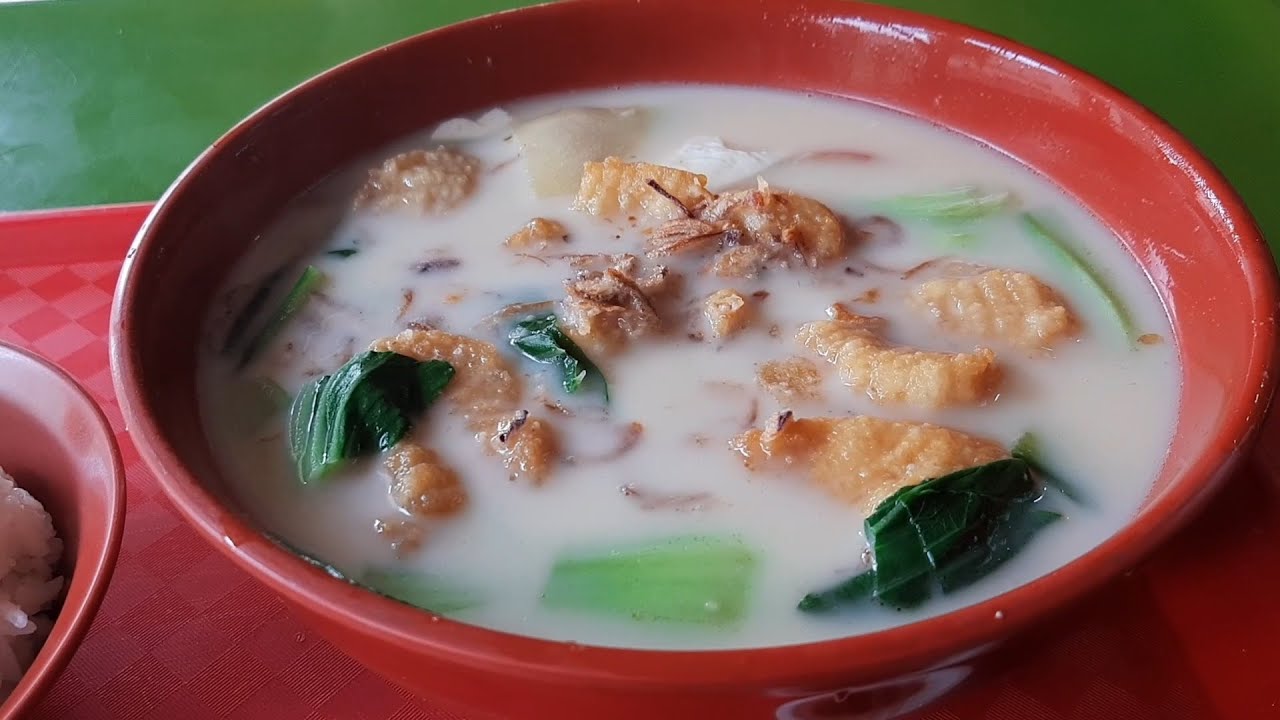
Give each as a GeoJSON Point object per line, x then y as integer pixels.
{"type": "Point", "coordinates": [29, 552]}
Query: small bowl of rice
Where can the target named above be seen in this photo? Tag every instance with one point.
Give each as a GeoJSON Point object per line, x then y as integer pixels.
{"type": "Point", "coordinates": [62, 498]}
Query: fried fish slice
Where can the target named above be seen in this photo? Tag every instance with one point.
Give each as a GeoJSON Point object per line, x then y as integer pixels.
{"type": "Point", "coordinates": [998, 305]}
{"type": "Point", "coordinates": [427, 181]}
{"type": "Point", "coordinates": [862, 460]}
{"type": "Point", "coordinates": [781, 221]}
{"type": "Point", "coordinates": [421, 483]}
{"type": "Point", "coordinates": [728, 311]}
{"type": "Point", "coordinates": [790, 380]}
{"type": "Point", "coordinates": [528, 446]}
{"type": "Point", "coordinates": [612, 187]}
{"type": "Point", "coordinates": [602, 310]}
{"type": "Point", "coordinates": [892, 374]}
{"type": "Point", "coordinates": [538, 234]}
{"type": "Point", "coordinates": [483, 384]}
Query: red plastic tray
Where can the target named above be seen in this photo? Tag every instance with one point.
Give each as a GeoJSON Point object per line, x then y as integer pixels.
{"type": "Point", "coordinates": [1194, 632]}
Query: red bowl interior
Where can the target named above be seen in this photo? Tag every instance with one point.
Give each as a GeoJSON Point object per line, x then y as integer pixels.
{"type": "Point", "coordinates": [59, 447]}
{"type": "Point", "coordinates": [1167, 204]}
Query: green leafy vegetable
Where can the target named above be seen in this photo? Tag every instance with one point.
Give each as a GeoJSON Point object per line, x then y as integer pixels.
{"type": "Point", "coordinates": [307, 283]}
{"type": "Point", "coordinates": [422, 591]}
{"type": "Point", "coordinates": [964, 204]}
{"type": "Point", "coordinates": [946, 532]}
{"type": "Point", "coordinates": [1061, 250]}
{"type": "Point", "coordinates": [240, 325]}
{"type": "Point", "coordinates": [540, 339]}
{"type": "Point", "coordinates": [343, 252]}
{"type": "Point", "coordinates": [366, 406]}
{"type": "Point", "coordinates": [1028, 449]}
{"type": "Point", "coordinates": [689, 579]}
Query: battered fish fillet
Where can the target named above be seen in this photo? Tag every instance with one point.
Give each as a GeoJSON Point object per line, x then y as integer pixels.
{"type": "Point", "coordinates": [421, 484]}
{"type": "Point", "coordinates": [790, 380]}
{"type": "Point", "coordinates": [893, 374]}
{"type": "Point", "coordinates": [782, 221]}
{"type": "Point", "coordinates": [528, 447]}
{"type": "Point", "coordinates": [603, 310]}
{"type": "Point", "coordinates": [428, 181]}
{"type": "Point", "coordinates": [484, 391]}
{"type": "Point", "coordinates": [483, 385]}
{"type": "Point", "coordinates": [998, 306]}
{"type": "Point", "coordinates": [612, 187]}
{"type": "Point", "coordinates": [862, 460]}
{"type": "Point", "coordinates": [538, 234]}
{"type": "Point", "coordinates": [727, 311]}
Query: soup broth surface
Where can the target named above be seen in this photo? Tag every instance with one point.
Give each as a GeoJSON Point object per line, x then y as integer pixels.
{"type": "Point", "coordinates": [655, 461]}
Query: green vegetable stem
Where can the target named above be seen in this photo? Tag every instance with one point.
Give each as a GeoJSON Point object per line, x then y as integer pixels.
{"type": "Point", "coordinates": [1061, 250]}
{"type": "Point", "coordinates": [297, 298]}
{"type": "Point", "coordinates": [698, 580]}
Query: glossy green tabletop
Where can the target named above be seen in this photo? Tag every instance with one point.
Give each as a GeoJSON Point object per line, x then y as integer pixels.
{"type": "Point", "coordinates": [106, 100]}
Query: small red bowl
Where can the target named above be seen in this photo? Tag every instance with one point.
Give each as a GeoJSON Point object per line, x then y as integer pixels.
{"type": "Point", "coordinates": [1165, 202]}
{"type": "Point", "coordinates": [59, 447]}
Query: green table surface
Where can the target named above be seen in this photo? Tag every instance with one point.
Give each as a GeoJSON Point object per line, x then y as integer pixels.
{"type": "Point", "coordinates": [105, 101]}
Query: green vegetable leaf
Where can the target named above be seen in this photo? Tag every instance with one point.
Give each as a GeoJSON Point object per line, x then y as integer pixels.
{"type": "Point", "coordinates": [855, 589]}
{"type": "Point", "coordinates": [343, 252]}
{"type": "Point", "coordinates": [307, 283]}
{"type": "Point", "coordinates": [965, 204]}
{"type": "Point", "coordinates": [1061, 250]}
{"type": "Point", "coordinates": [944, 533]}
{"type": "Point", "coordinates": [540, 339]}
{"type": "Point", "coordinates": [688, 579]}
{"type": "Point", "coordinates": [1028, 449]}
{"type": "Point", "coordinates": [367, 406]}
{"type": "Point", "coordinates": [427, 592]}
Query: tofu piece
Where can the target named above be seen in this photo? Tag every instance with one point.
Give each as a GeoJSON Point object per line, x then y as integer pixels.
{"type": "Point", "coordinates": [421, 483]}
{"type": "Point", "coordinates": [1005, 306]}
{"type": "Point", "coordinates": [862, 460]}
{"type": "Point", "coordinates": [427, 181]}
{"type": "Point", "coordinates": [790, 380]}
{"type": "Point", "coordinates": [728, 312]}
{"type": "Point", "coordinates": [537, 234]}
{"type": "Point", "coordinates": [897, 375]}
{"type": "Point", "coordinates": [612, 188]}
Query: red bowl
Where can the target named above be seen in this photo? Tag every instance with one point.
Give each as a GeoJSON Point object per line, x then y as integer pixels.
{"type": "Point", "coordinates": [1166, 203]}
{"type": "Point", "coordinates": [59, 447]}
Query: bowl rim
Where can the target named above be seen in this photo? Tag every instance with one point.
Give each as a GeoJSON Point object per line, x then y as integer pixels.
{"type": "Point", "coordinates": [904, 647]}
{"type": "Point", "coordinates": [50, 662]}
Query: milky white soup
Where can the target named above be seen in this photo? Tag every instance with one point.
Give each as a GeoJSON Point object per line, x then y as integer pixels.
{"type": "Point", "coordinates": [690, 443]}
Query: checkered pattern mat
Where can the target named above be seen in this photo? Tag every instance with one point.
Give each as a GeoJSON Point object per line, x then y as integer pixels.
{"type": "Point", "coordinates": [184, 634]}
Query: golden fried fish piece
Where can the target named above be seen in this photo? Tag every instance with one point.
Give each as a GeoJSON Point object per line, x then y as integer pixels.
{"type": "Point", "coordinates": [728, 311]}
{"type": "Point", "coordinates": [421, 483]}
{"type": "Point", "coordinates": [998, 305]}
{"type": "Point", "coordinates": [612, 187]}
{"type": "Point", "coordinates": [862, 460]}
{"type": "Point", "coordinates": [483, 384]}
{"type": "Point", "coordinates": [893, 374]}
{"type": "Point", "coordinates": [790, 380]}
{"type": "Point", "coordinates": [427, 181]}
{"type": "Point", "coordinates": [538, 234]}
